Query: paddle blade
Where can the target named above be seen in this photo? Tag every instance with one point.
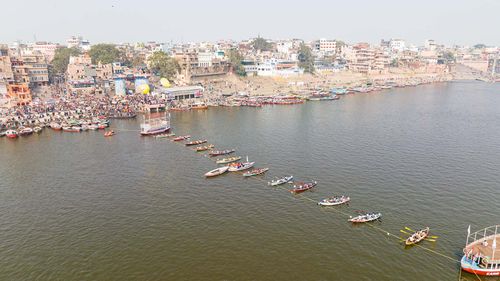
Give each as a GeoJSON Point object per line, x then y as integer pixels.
{"type": "Point", "coordinates": [402, 231]}
{"type": "Point", "coordinates": [434, 237]}
{"type": "Point", "coordinates": [407, 228]}
{"type": "Point", "coordinates": [432, 240]}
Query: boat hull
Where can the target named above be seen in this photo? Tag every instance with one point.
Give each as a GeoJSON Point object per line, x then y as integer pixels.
{"type": "Point", "coordinates": [469, 266]}
{"type": "Point", "coordinates": [155, 131]}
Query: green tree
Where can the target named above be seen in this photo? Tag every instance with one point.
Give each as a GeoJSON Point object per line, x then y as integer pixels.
{"type": "Point", "coordinates": [105, 53]}
{"type": "Point", "coordinates": [394, 63]}
{"type": "Point", "coordinates": [61, 59]}
{"type": "Point", "coordinates": [235, 58]}
{"type": "Point", "coordinates": [306, 58]}
{"type": "Point", "coordinates": [164, 65]}
{"type": "Point", "coordinates": [448, 56]}
{"type": "Point", "coordinates": [261, 44]}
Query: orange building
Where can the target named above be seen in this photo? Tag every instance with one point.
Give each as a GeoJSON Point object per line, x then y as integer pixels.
{"type": "Point", "coordinates": [19, 94]}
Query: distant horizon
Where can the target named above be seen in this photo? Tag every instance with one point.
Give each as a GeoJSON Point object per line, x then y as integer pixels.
{"type": "Point", "coordinates": [463, 23]}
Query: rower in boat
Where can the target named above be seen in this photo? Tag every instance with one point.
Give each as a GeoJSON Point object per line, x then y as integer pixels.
{"type": "Point", "coordinates": [417, 236]}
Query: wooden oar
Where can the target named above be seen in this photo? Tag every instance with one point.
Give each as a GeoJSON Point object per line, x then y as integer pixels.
{"type": "Point", "coordinates": [404, 232]}
{"type": "Point", "coordinates": [434, 237]}
{"type": "Point", "coordinates": [431, 240]}
{"type": "Point", "coordinates": [407, 228]}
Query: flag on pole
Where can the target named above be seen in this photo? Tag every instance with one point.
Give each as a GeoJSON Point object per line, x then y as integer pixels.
{"type": "Point", "coordinates": [468, 230]}
{"type": "Point", "coordinates": [494, 245]}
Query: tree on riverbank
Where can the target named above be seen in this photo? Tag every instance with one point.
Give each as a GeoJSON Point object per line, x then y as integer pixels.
{"type": "Point", "coordinates": [61, 59]}
{"type": "Point", "coordinates": [164, 65]}
{"type": "Point", "coordinates": [105, 53]}
{"type": "Point", "coordinates": [235, 58]}
{"type": "Point", "coordinates": [306, 58]}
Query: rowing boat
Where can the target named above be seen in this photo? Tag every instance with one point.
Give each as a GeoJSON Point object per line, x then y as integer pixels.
{"type": "Point", "coordinates": [301, 187]}
{"type": "Point", "coordinates": [181, 138]}
{"type": "Point", "coordinates": [195, 142]}
{"type": "Point", "coordinates": [204, 148]}
{"type": "Point", "coordinates": [365, 217]}
{"type": "Point", "coordinates": [216, 172]}
{"type": "Point", "coordinates": [280, 181]}
{"type": "Point", "coordinates": [417, 236]}
{"type": "Point", "coordinates": [227, 160]}
{"type": "Point", "coordinates": [255, 172]}
{"type": "Point", "coordinates": [333, 201]}
{"type": "Point", "coordinates": [219, 153]}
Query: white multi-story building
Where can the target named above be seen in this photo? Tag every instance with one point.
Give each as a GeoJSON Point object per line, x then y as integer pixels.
{"type": "Point", "coordinates": [398, 45]}
{"type": "Point", "coordinates": [46, 49]}
{"type": "Point", "coordinates": [327, 45]}
{"type": "Point", "coordinates": [430, 45]}
{"type": "Point", "coordinates": [205, 58]}
{"type": "Point", "coordinates": [78, 42]}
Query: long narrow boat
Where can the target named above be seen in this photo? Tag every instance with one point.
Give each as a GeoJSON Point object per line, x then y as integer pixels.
{"type": "Point", "coordinates": [255, 172]}
{"type": "Point", "coordinates": [334, 201]}
{"type": "Point", "coordinates": [417, 236]}
{"type": "Point", "coordinates": [365, 218]}
{"type": "Point", "coordinates": [195, 142]}
{"type": "Point", "coordinates": [162, 136]}
{"type": "Point", "coordinates": [216, 172]}
{"type": "Point", "coordinates": [25, 131]}
{"type": "Point", "coordinates": [204, 148]}
{"type": "Point", "coordinates": [301, 187]}
{"type": "Point", "coordinates": [55, 126]}
{"type": "Point", "coordinates": [181, 138]}
{"type": "Point", "coordinates": [219, 153]}
{"type": "Point", "coordinates": [227, 160]}
{"type": "Point", "coordinates": [280, 181]}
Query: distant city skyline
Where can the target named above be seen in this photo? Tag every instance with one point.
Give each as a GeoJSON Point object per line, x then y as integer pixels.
{"type": "Point", "coordinates": [448, 22]}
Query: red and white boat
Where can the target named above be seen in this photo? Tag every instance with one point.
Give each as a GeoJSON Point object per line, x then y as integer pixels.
{"type": "Point", "coordinates": [11, 134]}
{"type": "Point", "coordinates": [55, 126]}
{"type": "Point", "coordinates": [481, 256]}
{"type": "Point", "coordinates": [301, 187]}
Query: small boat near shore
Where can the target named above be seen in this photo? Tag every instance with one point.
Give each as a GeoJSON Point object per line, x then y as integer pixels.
{"type": "Point", "coordinates": [196, 142]}
{"type": "Point", "coordinates": [217, 171]}
{"type": "Point", "coordinates": [55, 126]}
{"type": "Point", "coordinates": [418, 236]}
{"type": "Point", "coordinates": [227, 160]}
{"type": "Point", "coordinates": [304, 186]}
{"type": "Point", "coordinates": [24, 131]}
{"type": "Point", "coordinates": [204, 148]}
{"type": "Point", "coordinates": [334, 201]}
{"type": "Point", "coordinates": [365, 217]}
{"type": "Point", "coordinates": [109, 133]}
{"type": "Point", "coordinates": [280, 181]}
{"type": "Point", "coordinates": [181, 138]}
{"type": "Point", "coordinates": [219, 153]}
{"type": "Point", "coordinates": [255, 172]}
{"type": "Point", "coordinates": [37, 130]}
{"type": "Point", "coordinates": [11, 134]}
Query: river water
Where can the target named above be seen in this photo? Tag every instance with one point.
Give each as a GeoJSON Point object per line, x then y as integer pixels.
{"type": "Point", "coordinates": [85, 207]}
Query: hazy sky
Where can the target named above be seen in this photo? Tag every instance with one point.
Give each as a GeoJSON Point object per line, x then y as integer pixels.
{"type": "Point", "coordinates": [447, 21]}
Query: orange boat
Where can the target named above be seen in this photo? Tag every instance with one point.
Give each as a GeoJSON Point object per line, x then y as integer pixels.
{"type": "Point", "coordinates": [109, 134]}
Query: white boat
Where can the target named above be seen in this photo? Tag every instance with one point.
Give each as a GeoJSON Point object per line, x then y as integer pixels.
{"type": "Point", "coordinates": [365, 217]}
{"type": "Point", "coordinates": [25, 131]}
{"type": "Point", "coordinates": [228, 160]}
{"type": "Point", "coordinates": [37, 130]}
{"type": "Point", "coordinates": [153, 126]}
{"type": "Point", "coordinates": [238, 166]}
{"type": "Point", "coordinates": [93, 127]}
{"type": "Point", "coordinates": [216, 172]}
{"type": "Point", "coordinates": [283, 180]}
{"type": "Point", "coordinates": [334, 201]}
